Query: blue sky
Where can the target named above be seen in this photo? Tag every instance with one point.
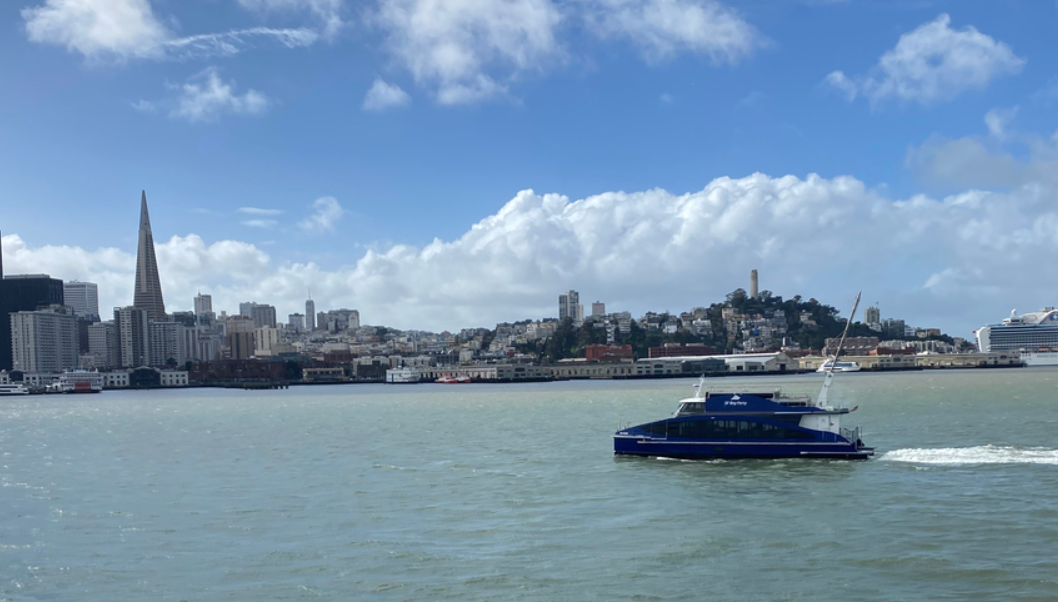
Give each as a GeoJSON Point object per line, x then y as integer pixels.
{"type": "Point", "coordinates": [411, 128]}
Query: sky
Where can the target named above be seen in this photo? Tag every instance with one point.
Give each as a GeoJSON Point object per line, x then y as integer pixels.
{"type": "Point", "coordinates": [444, 164]}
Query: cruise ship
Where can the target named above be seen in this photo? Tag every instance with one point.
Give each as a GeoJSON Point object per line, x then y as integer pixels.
{"type": "Point", "coordinates": [1034, 334]}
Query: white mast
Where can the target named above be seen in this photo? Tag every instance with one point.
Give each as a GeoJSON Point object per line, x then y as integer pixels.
{"type": "Point", "coordinates": [821, 401]}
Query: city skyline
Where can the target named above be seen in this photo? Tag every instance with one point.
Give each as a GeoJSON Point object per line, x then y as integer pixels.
{"type": "Point", "coordinates": [650, 168]}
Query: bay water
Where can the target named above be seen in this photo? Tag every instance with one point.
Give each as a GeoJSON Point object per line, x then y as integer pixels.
{"type": "Point", "coordinates": [511, 492]}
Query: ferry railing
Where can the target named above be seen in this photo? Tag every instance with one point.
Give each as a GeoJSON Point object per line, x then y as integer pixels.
{"type": "Point", "coordinates": [853, 434]}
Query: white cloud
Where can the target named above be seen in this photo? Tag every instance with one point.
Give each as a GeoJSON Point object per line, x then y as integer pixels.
{"type": "Point", "coordinates": [460, 47]}
{"type": "Point", "coordinates": [933, 63]}
{"type": "Point", "coordinates": [129, 29]}
{"type": "Point", "coordinates": [326, 212]}
{"type": "Point", "coordinates": [259, 211]}
{"type": "Point", "coordinates": [259, 223]}
{"type": "Point", "coordinates": [145, 106]}
{"type": "Point", "coordinates": [384, 96]}
{"type": "Point", "coordinates": [998, 120]}
{"type": "Point", "coordinates": [954, 262]}
{"type": "Point", "coordinates": [327, 11]}
{"type": "Point", "coordinates": [205, 97]}
{"type": "Point", "coordinates": [1004, 158]}
{"type": "Point", "coordinates": [663, 28]}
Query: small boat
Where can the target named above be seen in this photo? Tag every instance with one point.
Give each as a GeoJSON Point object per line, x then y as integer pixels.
{"type": "Point", "coordinates": [839, 366]}
{"type": "Point", "coordinates": [14, 389]}
{"type": "Point", "coordinates": [729, 425]}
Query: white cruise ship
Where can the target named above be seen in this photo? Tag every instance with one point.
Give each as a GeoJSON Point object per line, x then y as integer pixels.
{"type": "Point", "coordinates": [1034, 334]}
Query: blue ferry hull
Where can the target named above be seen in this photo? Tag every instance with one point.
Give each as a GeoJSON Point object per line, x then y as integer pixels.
{"type": "Point", "coordinates": [720, 450]}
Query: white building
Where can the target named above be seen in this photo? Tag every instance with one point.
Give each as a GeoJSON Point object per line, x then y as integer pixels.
{"type": "Point", "coordinates": [118, 379]}
{"type": "Point", "coordinates": [266, 339]}
{"type": "Point", "coordinates": [83, 297]}
{"type": "Point", "coordinates": [44, 341]}
{"type": "Point", "coordinates": [567, 305]}
{"type": "Point", "coordinates": [203, 304]}
{"type": "Point", "coordinates": [174, 378]}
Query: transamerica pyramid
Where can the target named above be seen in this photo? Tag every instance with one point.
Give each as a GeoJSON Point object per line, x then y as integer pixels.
{"type": "Point", "coordinates": [148, 286]}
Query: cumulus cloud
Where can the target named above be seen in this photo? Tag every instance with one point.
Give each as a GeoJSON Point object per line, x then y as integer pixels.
{"type": "Point", "coordinates": [663, 28]}
{"type": "Point", "coordinates": [953, 262]}
{"type": "Point", "coordinates": [1005, 158]}
{"type": "Point", "coordinates": [384, 96]}
{"type": "Point", "coordinates": [129, 29]}
{"type": "Point", "coordinates": [326, 212]}
{"type": "Point", "coordinates": [205, 97]}
{"type": "Point", "coordinates": [460, 47]}
{"type": "Point", "coordinates": [933, 63]}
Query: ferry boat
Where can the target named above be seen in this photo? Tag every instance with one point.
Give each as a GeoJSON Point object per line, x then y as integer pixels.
{"type": "Point", "coordinates": [713, 425]}
{"type": "Point", "coordinates": [1034, 334]}
{"type": "Point", "coordinates": [80, 381]}
{"type": "Point", "coordinates": [13, 389]}
{"type": "Point", "coordinates": [403, 376]}
{"type": "Point", "coordinates": [839, 366]}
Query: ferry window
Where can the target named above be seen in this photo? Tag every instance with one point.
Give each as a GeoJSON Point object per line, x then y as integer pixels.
{"type": "Point", "coordinates": [656, 430]}
{"type": "Point", "coordinates": [673, 429]}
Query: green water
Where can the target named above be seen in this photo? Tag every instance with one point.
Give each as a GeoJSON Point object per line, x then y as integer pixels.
{"type": "Point", "coordinates": [511, 492]}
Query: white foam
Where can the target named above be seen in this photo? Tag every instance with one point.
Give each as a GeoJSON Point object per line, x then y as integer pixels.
{"type": "Point", "coordinates": [982, 454]}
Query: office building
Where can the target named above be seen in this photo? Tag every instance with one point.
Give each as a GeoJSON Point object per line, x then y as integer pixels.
{"type": "Point", "coordinates": [598, 309]}
{"type": "Point", "coordinates": [263, 315]}
{"type": "Point", "coordinates": [148, 294]}
{"type": "Point", "coordinates": [44, 340]}
{"type": "Point", "coordinates": [23, 293]}
{"type": "Point", "coordinates": [82, 297]}
{"type": "Point", "coordinates": [246, 308]}
{"type": "Point", "coordinates": [296, 322]}
{"type": "Point", "coordinates": [133, 336]}
{"type": "Point", "coordinates": [310, 315]}
{"type": "Point", "coordinates": [203, 304]}
{"type": "Point", "coordinates": [266, 340]}
{"type": "Point", "coordinates": [239, 337]}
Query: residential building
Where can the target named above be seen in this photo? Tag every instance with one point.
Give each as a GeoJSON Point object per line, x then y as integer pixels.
{"type": "Point", "coordinates": [266, 340]}
{"type": "Point", "coordinates": [83, 297]}
{"type": "Point", "coordinates": [872, 317]}
{"type": "Point", "coordinates": [598, 309]}
{"type": "Point", "coordinates": [567, 305]}
{"type": "Point", "coordinates": [296, 321]}
{"type": "Point", "coordinates": [104, 345]}
{"type": "Point", "coordinates": [239, 337]}
{"type": "Point", "coordinates": [148, 292]}
{"type": "Point", "coordinates": [133, 336]}
{"type": "Point", "coordinates": [44, 340]}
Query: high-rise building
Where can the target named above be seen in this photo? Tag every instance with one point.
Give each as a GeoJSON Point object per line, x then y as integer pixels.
{"type": "Point", "coordinates": [567, 305]}
{"type": "Point", "coordinates": [148, 294]}
{"type": "Point", "coordinates": [310, 315]}
{"type": "Point", "coordinates": [203, 304]}
{"type": "Point", "coordinates": [266, 339]}
{"type": "Point", "coordinates": [82, 297]}
{"type": "Point", "coordinates": [23, 293]}
{"type": "Point", "coordinates": [246, 308]}
{"type": "Point", "coordinates": [263, 315]}
{"type": "Point", "coordinates": [44, 340]}
{"type": "Point", "coordinates": [296, 321]}
{"type": "Point", "coordinates": [239, 337]}
{"type": "Point", "coordinates": [104, 345]}
{"type": "Point", "coordinates": [598, 309]}
{"type": "Point", "coordinates": [133, 336]}
{"type": "Point", "coordinates": [163, 344]}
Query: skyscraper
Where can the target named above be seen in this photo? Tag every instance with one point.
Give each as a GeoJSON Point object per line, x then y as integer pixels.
{"type": "Point", "coordinates": [133, 336]}
{"type": "Point", "coordinates": [567, 305]}
{"type": "Point", "coordinates": [44, 340]}
{"type": "Point", "coordinates": [148, 286]}
{"type": "Point", "coordinates": [83, 297]}
{"type": "Point", "coordinates": [203, 304]}
{"type": "Point", "coordinates": [310, 315]}
{"type": "Point", "coordinates": [23, 293]}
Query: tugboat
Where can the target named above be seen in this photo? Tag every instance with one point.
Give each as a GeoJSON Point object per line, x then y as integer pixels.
{"type": "Point", "coordinates": [712, 426]}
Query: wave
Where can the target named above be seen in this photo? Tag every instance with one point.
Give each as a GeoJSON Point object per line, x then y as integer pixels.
{"type": "Point", "coordinates": [981, 454]}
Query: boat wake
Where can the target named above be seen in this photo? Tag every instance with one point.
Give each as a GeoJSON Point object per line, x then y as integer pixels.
{"type": "Point", "coordinates": [981, 454]}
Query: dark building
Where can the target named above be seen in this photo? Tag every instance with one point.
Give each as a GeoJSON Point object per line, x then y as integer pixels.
{"type": "Point", "coordinates": [23, 293]}
{"type": "Point", "coordinates": [677, 350]}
